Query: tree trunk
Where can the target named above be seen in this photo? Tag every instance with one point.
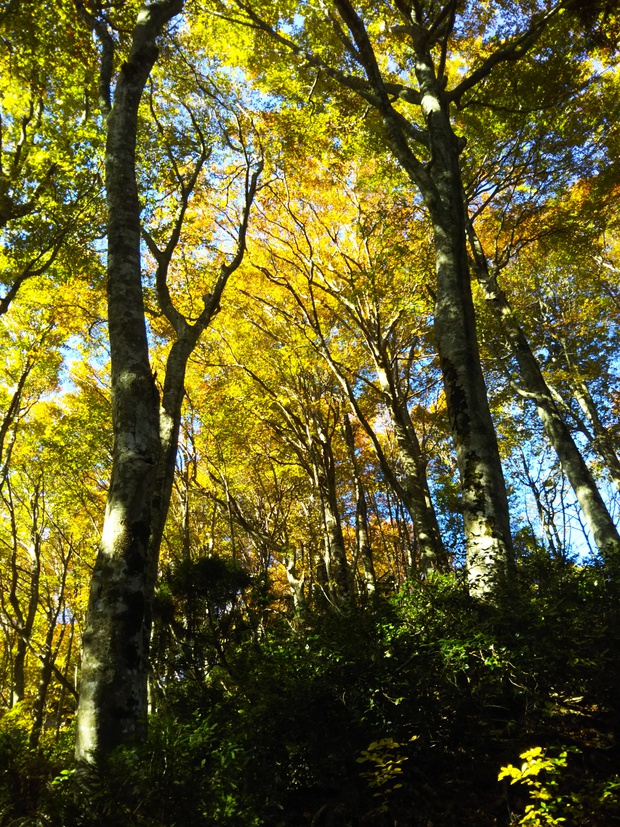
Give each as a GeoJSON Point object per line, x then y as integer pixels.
{"type": "Point", "coordinates": [24, 619]}
{"type": "Point", "coordinates": [362, 537]}
{"type": "Point", "coordinates": [595, 511]}
{"type": "Point", "coordinates": [415, 493]}
{"type": "Point", "coordinates": [113, 691]}
{"type": "Point", "coordinates": [296, 584]}
{"type": "Point", "coordinates": [485, 504]}
{"type": "Point", "coordinates": [433, 554]}
{"type": "Point", "coordinates": [169, 427]}
{"type": "Point", "coordinates": [602, 441]}
{"type": "Point", "coordinates": [484, 500]}
{"type": "Point", "coordinates": [49, 653]}
{"type": "Point", "coordinates": [45, 677]}
{"type": "Point", "coordinates": [335, 557]}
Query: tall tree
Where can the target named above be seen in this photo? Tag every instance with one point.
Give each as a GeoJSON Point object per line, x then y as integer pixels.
{"type": "Point", "coordinates": [112, 707]}
{"type": "Point", "coordinates": [595, 511]}
{"type": "Point", "coordinates": [308, 419]}
{"type": "Point", "coordinates": [362, 534]}
{"type": "Point", "coordinates": [113, 695]}
{"type": "Point", "coordinates": [417, 65]}
{"type": "Point", "coordinates": [396, 61]}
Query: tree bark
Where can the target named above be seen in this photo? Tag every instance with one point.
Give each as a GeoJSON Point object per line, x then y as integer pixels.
{"type": "Point", "coordinates": [324, 478]}
{"type": "Point", "coordinates": [415, 492]}
{"type": "Point", "coordinates": [24, 616]}
{"type": "Point", "coordinates": [596, 514]}
{"type": "Point", "coordinates": [484, 500]}
{"type": "Point", "coordinates": [433, 554]}
{"type": "Point", "coordinates": [187, 336]}
{"type": "Point", "coordinates": [49, 652]}
{"type": "Point", "coordinates": [113, 689]}
{"type": "Point", "coordinates": [485, 504]}
{"type": "Point", "coordinates": [362, 536]}
{"type": "Point", "coordinates": [602, 440]}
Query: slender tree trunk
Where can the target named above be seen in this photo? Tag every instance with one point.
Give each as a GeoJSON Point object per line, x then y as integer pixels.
{"type": "Point", "coordinates": [545, 514]}
{"type": "Point", "coordinates": [362, 536]}
{"type": "Point", "coordinates": [414, 493]}
{"type": "Point", "coordinates": [49, 653]}
{"type": "Point", "coordinates": [433, 554]}
{"type": "Point", "coordinates": [64, 679]}
{"type": "Point", "coordinates": [169, 427]}
{"type": "Point", "coordinates": [596, 514]}
{"type": "Point", "coordinates": [335, 557]}
{"type": "Point", "coordinates": [18, 692]}
{"type": "Point", "coordinates": [602, 441]}
{"type": "Point", "coordinates": [6, 665]}
{"type": "Point", "coordinates": [113, 690]}
{"type": "Point", "coordinates": [296, 583]}
{"type": "Point", "coordinates": [187, 336]}
{"type": "Point", "coordinates": [45, 677]}
{"type": "Point", "coordinates": [402, 551]}
{"type": "Point", "coordinates": [13, 407]}
{"type": "Point", "coordinates": [24, 618]}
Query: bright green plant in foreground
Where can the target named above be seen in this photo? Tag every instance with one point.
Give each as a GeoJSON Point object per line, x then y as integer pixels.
{"type": "Point", "coordinates": [544, 791]}
{"type": "Point", "coordinates": [552, 806]}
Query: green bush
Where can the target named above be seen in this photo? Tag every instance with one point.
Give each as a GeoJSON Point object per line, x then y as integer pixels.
{"type": "Point", "coordinates": [431, 690]}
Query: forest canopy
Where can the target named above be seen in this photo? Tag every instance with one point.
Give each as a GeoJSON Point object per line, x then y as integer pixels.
{"type": "Point", "coordinates": [309, 412]}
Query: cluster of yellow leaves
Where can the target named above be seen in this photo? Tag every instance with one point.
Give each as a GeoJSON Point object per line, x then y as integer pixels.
{"type": "Point", "coordinates": [543, 791]}
{"type": "Point", "coordinates": [386, 758]}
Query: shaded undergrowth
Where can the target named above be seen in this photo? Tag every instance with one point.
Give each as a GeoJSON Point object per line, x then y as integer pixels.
{"type": "Point", "coordinates": [402, 712]}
